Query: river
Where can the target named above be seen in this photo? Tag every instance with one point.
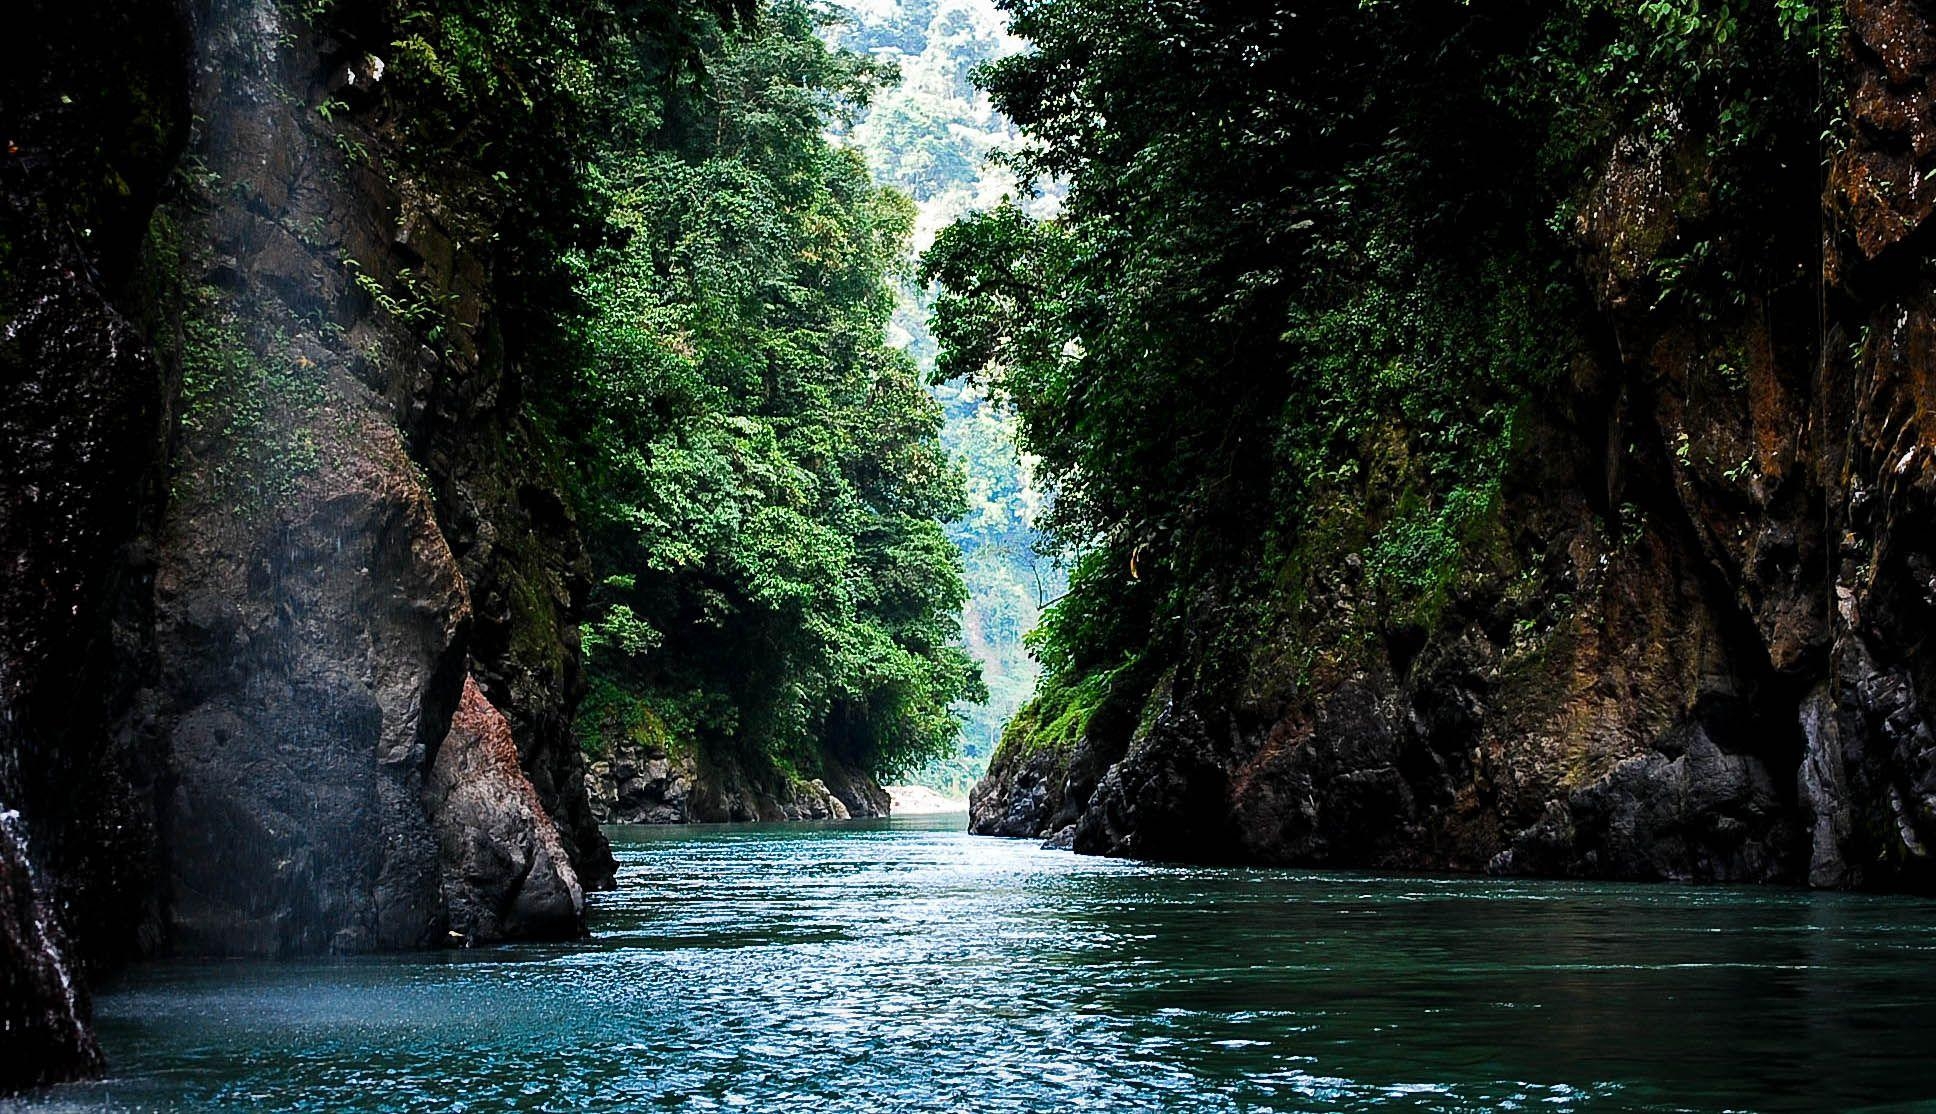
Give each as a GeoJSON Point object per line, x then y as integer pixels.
{"type": "Point", "coordinates": [905, 965]}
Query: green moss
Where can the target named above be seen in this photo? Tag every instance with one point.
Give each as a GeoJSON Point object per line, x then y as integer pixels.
{"type": "Point", "coordinates": [1417, 558]}
{"type": "Point", "coordinates": [610, 717]}
{"type": "Point", "coordinates": [1057, 719]}
{"type": "Point", "coordinates": [537, 639]}
{"type": "Point", "coordinates": [248, 405]}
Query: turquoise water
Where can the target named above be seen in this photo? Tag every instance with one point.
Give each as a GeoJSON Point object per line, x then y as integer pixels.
{"type": "Point", "coordinates": [904, 965]}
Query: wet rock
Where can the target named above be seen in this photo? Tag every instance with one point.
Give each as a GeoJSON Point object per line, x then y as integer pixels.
{"type": "Point", "coordinates": [860, 794]}
{"type": "Point", "coordinates": [638, 785]}
{"type": "Point", "coordinates": [1703, 815]}
{"type": "Point", "coordinates": [43, 1004]}
{"type": "Point", "coordinates": [505, 872]}
{"type": "Point", "coordinates": [366, 540]}
{"type": "Point", "coordinates": [812, 800]}
{"type": "Point", "coordinates": [1824, 792]}
{"type": "Point", "coordinates": [95, 110]}
{"type": "Point", "coordinates": [521, 553]}
{"type": "Point", "coordinates": [1019, 797]}
{"type": "Point", "coordinates": [1899, 36]}
{"type": "Point", "coordinates": [308, 662]}
{"type": "Point", "coordinates": [649, 785]}
{"type": "Point", "coordinates": [1169, 798]}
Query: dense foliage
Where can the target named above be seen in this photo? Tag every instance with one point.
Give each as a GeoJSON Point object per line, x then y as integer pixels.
{"type": "Point", "coordinates": [763, 474]}
{"type": "Point", "coordinates": [931, 135]}
{"type": "Point", "coordinates": [1311, 270]}
{"type": "Point", "coordinates": [703, 282]}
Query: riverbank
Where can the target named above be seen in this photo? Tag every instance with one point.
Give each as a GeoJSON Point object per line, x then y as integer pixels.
{"type": "Point", "coordinates": [919, 800]}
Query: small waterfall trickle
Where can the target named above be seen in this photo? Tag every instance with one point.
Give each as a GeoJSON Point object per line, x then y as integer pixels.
{"type": "Point", "coordinates": [42, 960]}
{"type": "Point", "coordinates": [13, 845]}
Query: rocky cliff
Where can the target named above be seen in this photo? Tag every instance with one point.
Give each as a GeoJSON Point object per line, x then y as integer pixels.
{"type": "Point", "coordinates": [289, 632]}
{"type": "Point", "coordinates": [506, 871]}
{"type": "Point", "coordinates": [91, 136]}
{"type": "Point", "coordinates": [1692, 644]}
{"type": "Point", "coordinates": [315, 624]}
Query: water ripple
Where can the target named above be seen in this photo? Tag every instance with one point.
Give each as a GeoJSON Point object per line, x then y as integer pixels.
{"type": "Point", "coordinates": [907, 966]}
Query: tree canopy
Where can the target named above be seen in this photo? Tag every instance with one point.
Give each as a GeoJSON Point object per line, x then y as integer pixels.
{"type": "Point", "coordinates": [763, 473]}
{"type": "Point", "coordinates": [1313, 262]}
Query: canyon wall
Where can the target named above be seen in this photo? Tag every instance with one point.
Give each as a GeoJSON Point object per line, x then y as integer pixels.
{"type": "Point", "coordinates": [1691, 642]}
{"type": "Point", "coordinates": [315, 624]}
{"type": "Point", "coordinates": [289, 633]}
{"type": "Point", "coordinates": [93, 126]}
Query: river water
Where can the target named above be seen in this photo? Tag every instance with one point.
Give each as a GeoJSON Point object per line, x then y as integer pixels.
{"type": "Point", "coordinates": [904, 965]}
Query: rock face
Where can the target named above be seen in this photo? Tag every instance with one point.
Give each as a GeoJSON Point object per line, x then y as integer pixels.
{"type": "Point", "coordinates": [306, 670]}
{"type": "Point", "coordinates": [647, 785]}
{"type": "Point", "coordinates": [311, 619]}
{"type": "Point", "coordinates": [505, 869]}
{"type": "Point", "coordinates": [639, 785]}
{"type": "Point", "coordinates": [316, 626]}
{"type": "Point", "coordinates": [94, 116]}
{"type": "Point", "coordinates": [1021, 796]}
{"type": "Point", "coordinates": [43, 1003]}
{"type": "Point", "coordinates": [1670, 664]}
{"type": "Point", "coordinates": [270, 516]}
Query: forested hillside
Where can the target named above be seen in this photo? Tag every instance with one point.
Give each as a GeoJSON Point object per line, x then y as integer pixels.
{"type": "Point", "coordinates": [1488, 435]}
{"type": "Point", "coordinates": [936, 136]}
{"type": "Point", "coordinates": [776, 600]}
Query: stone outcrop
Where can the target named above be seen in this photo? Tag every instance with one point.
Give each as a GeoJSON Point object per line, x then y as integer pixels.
{"type": "Point", "coordinates": [506, 874]}
{"type": "Point", "coordinates": [43, 1003]}
{"type": "Point", "coordinates": [649, 785]}
{"type": "Point", "coordinates": [311, 621]}
{"type": "Point", "coordinates": [1022, 796]}
{"type": "Point", "coordinates": [354, 537]}
{"type": "Point", "coordinates": [1693, 644]}
{"type": "Point", "coordinates": [307, 668]}
{"type": "Point", "coordinates": [271, 516]}
{"type": "Point", "coordinates": [641, 785]}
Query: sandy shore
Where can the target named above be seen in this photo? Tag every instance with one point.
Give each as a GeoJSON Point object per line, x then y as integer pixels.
{"type": "Point", "coordinates": [910, 800]}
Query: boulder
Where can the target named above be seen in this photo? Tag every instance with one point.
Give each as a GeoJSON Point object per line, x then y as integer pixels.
{"type": "Point", "coordinates": [505, 872]}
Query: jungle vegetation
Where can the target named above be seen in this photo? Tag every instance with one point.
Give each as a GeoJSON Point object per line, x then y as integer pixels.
{"type": "Point", "coordinates": [763, 472]}
{"type": "Point", "coordinates": [706, 279]}
{"type": "Point", "coordinates": [1314, 262]}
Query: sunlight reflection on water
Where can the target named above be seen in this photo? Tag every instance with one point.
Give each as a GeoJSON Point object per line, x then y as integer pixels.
{"type": "Point", "coordinates": [904, 965]}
